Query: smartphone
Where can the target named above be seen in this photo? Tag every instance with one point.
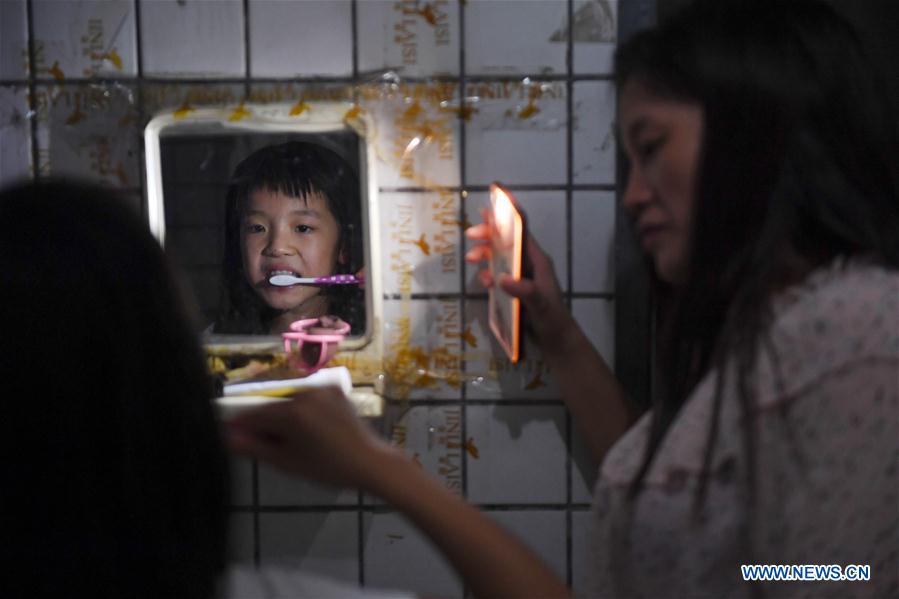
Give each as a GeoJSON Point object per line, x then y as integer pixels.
{"type": "Point", "coordinates": [508, 234]}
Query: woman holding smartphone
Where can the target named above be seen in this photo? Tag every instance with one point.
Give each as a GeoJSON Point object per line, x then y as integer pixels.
{"type": "Point", "coordinates": [763, 185]}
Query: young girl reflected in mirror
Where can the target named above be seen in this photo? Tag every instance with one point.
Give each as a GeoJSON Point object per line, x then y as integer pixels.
{"type": "Point", "coordinates": [292, 208]}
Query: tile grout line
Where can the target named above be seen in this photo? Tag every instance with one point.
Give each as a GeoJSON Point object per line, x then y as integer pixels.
{"type": "Point", "coordinates": [32, 91]}
{"type": "Point", "coordinates": [569, 195]}
{"type": "Point", "coordinates": [141, 109]}
{"type": "Point", "coordinates": [257, 534]}
{"type": "Point", "coordinates": [360, 502]}
{"type": "Point", "coordinates": [463, 270]}
{"type": "Point", "coordinates": [247, 66]}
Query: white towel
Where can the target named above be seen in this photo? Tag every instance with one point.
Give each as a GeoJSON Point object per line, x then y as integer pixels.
{"type": "Point", "coordinates": [243, 396]}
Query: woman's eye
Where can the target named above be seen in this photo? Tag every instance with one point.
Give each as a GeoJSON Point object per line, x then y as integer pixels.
{"type": "Point", "coordinates": [254, 228]}
{"type": "Point", "coordinates": [303, 229]}
{"type": "Point", "coordinates": [647, 150]}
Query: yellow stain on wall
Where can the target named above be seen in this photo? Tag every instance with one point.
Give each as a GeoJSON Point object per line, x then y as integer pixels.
{"type": "Point", "coordinates": [421, 243]}
{"type": "Point", "coordinates": [427, 13]}
{"type": "Point", "coordinates": [413, 111]}
{"type": "Point", "coordinates": [76, 117]}
{"type": "Point", "coordinates": [528, 111]}
{"type": "Point", "coordinates": [471, 448]}
{"type": "Point", "coordinates": [112, 56]}
{"type": "Point", "coordinates": [239, 113]}
{"type": "Point", "coordinates": [467, 335]}
{"type": "Point", "coordinates": [57, 72]}
{"type": "Point", "coordinates": [425, 380]}
{"type": "Point", "coordinates": [536, 383]}
{"type": "Point", "coordinates": [183, 111]}
{"type": "Point", "coordinates": [299, 108]}
{"type": "Point", "coordinates": [353, 112]}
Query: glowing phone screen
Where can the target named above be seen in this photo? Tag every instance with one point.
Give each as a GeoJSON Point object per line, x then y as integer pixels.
{"type": "Point", "coordinates": [507, 242]}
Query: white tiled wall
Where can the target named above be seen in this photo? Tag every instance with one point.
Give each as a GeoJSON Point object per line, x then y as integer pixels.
{"type": "Point", "coordinates": [495, 432]}
{"type": "Point", "coordinates": [409, 37]}
{"type": "Point", "coordinates": [86, 38]}
{"type": "Point", "coordinates": [301, 38]}
{"type": "Point", "coordinates": [193, 39]}
{"type": "Point", "coordinates": [14, 41]}
{"type": "Point", "coordinates": [398, 556]}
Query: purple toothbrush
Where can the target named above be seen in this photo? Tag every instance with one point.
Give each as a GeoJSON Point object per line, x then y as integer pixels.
{"type": "Point", "coordinates": [285, 280]}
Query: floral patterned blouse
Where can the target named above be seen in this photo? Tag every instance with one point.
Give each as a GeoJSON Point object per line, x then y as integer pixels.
{"type": "Point", "coordinates": [827, 477]}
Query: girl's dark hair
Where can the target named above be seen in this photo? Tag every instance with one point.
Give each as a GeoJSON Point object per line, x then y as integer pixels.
{"type": "Point", "coordinates": [295, 169]}
{"type": "Point", "coordinates": [115, 478]}
{"type": "Point", "coordinates": [798, 166]}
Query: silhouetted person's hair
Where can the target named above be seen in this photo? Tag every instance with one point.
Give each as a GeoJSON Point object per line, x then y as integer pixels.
{"type": "Point", "coordinates": [114, 476]}
{"type": "Point", "coordinates": [295, 169]}
{"type": "Point", "coordinates": [798, 166]}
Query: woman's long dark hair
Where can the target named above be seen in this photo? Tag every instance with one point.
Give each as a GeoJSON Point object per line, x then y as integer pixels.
{"type": "Point", "coordinates": [295, 169]}
{"type": "Point", "coordinates": [114, 475]}
{"type": "Point", "coordinates": [798, 166]}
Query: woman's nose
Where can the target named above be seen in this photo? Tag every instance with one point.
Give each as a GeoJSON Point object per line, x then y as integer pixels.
{"type": "Point", "coordinates": [637, 192]}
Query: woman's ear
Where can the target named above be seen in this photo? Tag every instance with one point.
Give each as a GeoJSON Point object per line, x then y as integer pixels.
{"type": "Point", "coordinates": [342, 257]}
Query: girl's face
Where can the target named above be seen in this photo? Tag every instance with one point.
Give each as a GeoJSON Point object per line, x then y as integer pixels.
{"type": "Point", "coordinates": [283, 233]}
{"type": "Point", "coordinates": [662, 138]}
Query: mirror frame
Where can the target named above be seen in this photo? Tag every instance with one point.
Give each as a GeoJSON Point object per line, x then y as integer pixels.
{"type": "Point", "coordinates": [318, 117]}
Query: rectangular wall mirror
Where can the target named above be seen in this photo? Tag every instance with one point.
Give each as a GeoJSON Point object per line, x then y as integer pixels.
{"type": "Point", "coordinates": [239, 196]}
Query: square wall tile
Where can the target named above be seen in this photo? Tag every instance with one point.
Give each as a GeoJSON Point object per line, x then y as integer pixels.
{"type": "Point", "coordinates": [421, 240]}
{"type": "Point", "coordinates": [593, 133]}
{"type": "Point", "coordinates": [423, 348]}
{"type": "Point", "coordinates": [85, 38]}
{"type": "Point", "coordinates": [416, 133]}
{"type": "Point", "coordinates": [432, 437]}
{"type": "Point", "coordinates": [581, 526]}
{"type": "Point", "coordinates": [543, 532]}
{"type": "Point", "coordinates": [279, 489]}
{"type": "Point", "coordinates": [412, 38]}
{"type": "Point", "coordinates": [593, 241]}
{"type": "Point", "coordinates": [516, 132]}
{"type": "Point", "coordinates": [14, 40]}
{"type": "Point", "coordinates": [516, 36]}
{"type": "Point", "coordinates": [193, 39]}
{"type": "Point", "coordinates": [398, 556]}
{"type": "Point", "coordinates": [300, 38]}
{"type": "Point", "coordinates": [597, 319]}
{"type": "Point", "coordinates": [241, 539]}
{"type": "Point", "coordinates": [90, 131]}
{"type": "Point", "coordinates": [584, 470]}
{"type": "Point", "coordinates": [520, 454]}
{"type": "Point", "coordinates": [545, 218]}
{"type": "Point", "coordinates": [15, 131]}
{"type": "Point", "coordinates": [488, 372]}
{"type": "Point", "coordinates": [595, 36]}
{"type": "Point", "coordinates": [323, 543]}
{"type": "Point", "coordinates": [241, 481]}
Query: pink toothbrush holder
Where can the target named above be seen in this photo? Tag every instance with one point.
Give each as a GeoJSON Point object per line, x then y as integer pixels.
{"type": "Point", "coordinates": [312, 342]}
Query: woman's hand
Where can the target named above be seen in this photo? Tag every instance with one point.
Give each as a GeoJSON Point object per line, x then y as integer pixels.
{"type": "Point", "coordinates": [316, 435]}
{"type": "Point", "coordinates": [547, 315]}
